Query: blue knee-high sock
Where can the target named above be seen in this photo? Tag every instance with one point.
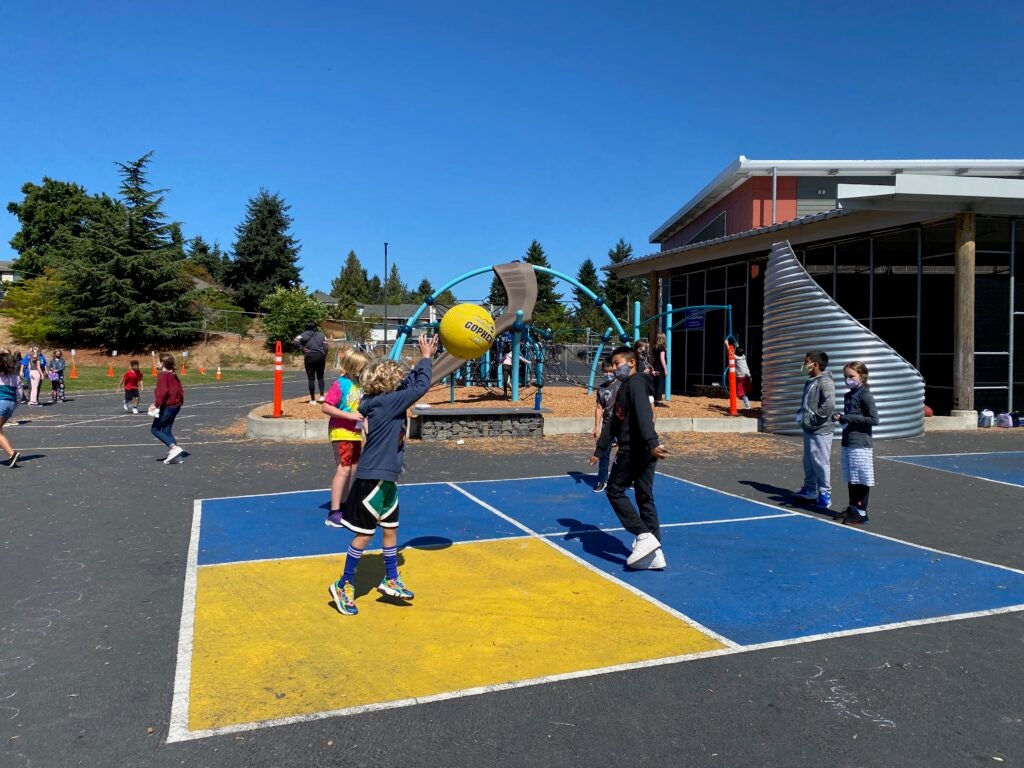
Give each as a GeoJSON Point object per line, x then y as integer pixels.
{"type": "Point", "coordinates": [351, 563]}
{"type": "Point", "coordinates": [391, 562]}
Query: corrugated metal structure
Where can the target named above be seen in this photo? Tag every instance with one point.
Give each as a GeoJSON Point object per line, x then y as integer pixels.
{"type": "Point", "coordinates": [798, 317]}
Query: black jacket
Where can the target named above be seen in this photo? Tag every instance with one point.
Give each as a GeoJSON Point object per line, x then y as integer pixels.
{"type": "Point", "coordinates": [859, 416]}
{"type": "Point", "coordinates": [632, 421]}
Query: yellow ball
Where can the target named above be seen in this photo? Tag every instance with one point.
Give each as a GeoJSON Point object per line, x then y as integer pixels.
{"type": "Point", "coordinates": [467, 331]}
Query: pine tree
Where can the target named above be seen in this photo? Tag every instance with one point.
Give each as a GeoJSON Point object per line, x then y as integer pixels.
{"type": "Point", "coordinates": [350, 286]}
{"type": "Point", "coordinates": [124, 286]}
{"type": "Point", "coordinates": [206, 258]}
{"type": "Point", "coordinates": [374, 291]}
{"type": "Point", "coordinates": [548, 312]}
{"type": "Point", "coordinates": [395, 291]}
{"type": "Point", "coordinates": [496, 294]}
{"type": "Point", "coordinates": [423, 290]}
{"type": "Point", "coordinates": [265, 252]}
{"type": "Point", "coordinates": [447, 298]}
{"type": "Point", "coordinates": [588, 315]}
{"type": "Point", "coordinates": [620, 293]}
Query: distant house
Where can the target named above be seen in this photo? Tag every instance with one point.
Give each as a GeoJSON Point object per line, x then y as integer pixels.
{"type": "Point", "coordinates": [397, 315]}
{"type": "Point", "coordinates": [326, 299]}
{"type": "Point", "coordinates": [8, 274]}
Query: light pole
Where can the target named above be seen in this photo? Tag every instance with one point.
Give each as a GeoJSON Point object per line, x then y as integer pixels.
{"type": "Point", "coordinates": [385, 295]}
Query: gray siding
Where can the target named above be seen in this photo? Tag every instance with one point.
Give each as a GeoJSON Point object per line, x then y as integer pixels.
{"type": "Point", "coordinates": [817, 194]}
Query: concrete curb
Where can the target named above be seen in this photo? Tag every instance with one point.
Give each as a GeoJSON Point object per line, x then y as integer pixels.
{"type": "Point", "coordinates": [566, 425]}
{"type": "Point", "coordinates": [958, 421]}
{"type": "Point", "coordinates": [265, 428]}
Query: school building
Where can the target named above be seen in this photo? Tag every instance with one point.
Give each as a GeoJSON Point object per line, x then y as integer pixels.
{"type": "Point", "coordinates": [920, 252]}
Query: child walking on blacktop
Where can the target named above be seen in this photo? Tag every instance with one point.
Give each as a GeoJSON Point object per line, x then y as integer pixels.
{"type": "Point", "coordinates": [168, 398]}
{"type": "Point", "coordinates": [858, 418]}
{"type": "Point", "coordinates": [11, 391]}
{"type": "Point", "coordinates": [373, 501]}
{"type": "Point", "coordinates": [632, 425]}
{"type": "Point", "coordinates": [345, 428]}
{"type": "Point", "coordinates": [605, 399]}
{"type": "Point", "coordinates": [815, 419]}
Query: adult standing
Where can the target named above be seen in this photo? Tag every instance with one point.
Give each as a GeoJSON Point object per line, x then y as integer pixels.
{"type": "Point", "coordinates": [313, 344]}
{"type": "Point", "coordinates": [660, 369]}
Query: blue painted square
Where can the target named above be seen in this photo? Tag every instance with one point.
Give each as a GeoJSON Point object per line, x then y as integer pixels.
{"type": "Point", "coordinates": [1003, 467]}
{"type": "Point", "coordinates": [783, 578]}
{"type": "Point", "coordinates": [558, 504]}
{"type": "Point", "coordinates": [292, 524]}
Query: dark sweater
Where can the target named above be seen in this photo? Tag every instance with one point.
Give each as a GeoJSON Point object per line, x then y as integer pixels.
{"type": "Point", "coordinates": [859, 416]}
{"type": "Point", "coordinates": [632, 421]}
{"type": "Point", "coordinates": [384, 450]}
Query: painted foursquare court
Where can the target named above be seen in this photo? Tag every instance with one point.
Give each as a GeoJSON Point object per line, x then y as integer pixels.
{"type": "Point", "coordinates": [1006, 467]}
{"type": "Point", "coordinates": [523, 582]}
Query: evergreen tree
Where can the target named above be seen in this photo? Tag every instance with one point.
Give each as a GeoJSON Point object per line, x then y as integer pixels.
{"type": "Point", "coordinates": [207, 258]}
{"type": "Point", "coordinates": [447, 298]}
{"type": "Point", "coordinates": [620, 293]}
{"type": "Point", "coordinates": [265, 251]}
{"type": "Point", "coordinates": [588, 315]}
{"type": "Point", "coordinates": [33, 305]}
{"type": "Point", "coordinates": [374, 291]}
{"type": "Point", "coordinates": [351, 285]}
{"type": "Point", "coordinates": [496, 294]}
{"type": "Point", "coordinates": [549, 312]}
{"type": "Point", "coordinates": [53, 216]}
{"type": "Point", "coordinates": [124, 286]}
{"type": "Point", "coordinates": [423, 290]}
{"type": "Point", "coordinates": [395, 291]}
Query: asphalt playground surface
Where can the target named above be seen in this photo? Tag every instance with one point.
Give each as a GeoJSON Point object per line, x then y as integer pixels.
{"type": "Point", "coordinates": [96, 537]}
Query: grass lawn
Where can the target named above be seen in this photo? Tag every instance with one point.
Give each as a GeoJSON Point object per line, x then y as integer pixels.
{"type": "Point", "coordinates": [92, 378]}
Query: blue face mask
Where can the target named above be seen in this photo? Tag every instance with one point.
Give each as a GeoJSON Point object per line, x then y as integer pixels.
{"type": "Point", "coordinates": [622, 372]}
{"type": "Point", "coordinates": [852, 383]}
{"type": "Point", "coordinates": [609, 376]}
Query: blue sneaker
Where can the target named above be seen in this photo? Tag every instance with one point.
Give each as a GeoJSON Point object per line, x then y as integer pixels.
{"type": "Point", "coordinates": [344, 596]}
{"type": "Point", "coordinates": [805, 493]}
{"type": "Point", "coordinates": [395, 588]}
{"type": "Point", "coordinates": [824, 500]}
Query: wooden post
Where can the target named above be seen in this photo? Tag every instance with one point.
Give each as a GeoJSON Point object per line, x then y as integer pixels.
{"type": "Point", "coordinates": [963, 324]}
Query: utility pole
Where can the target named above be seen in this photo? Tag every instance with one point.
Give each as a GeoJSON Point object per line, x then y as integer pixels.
{"type": "Point", "coordinates": [385, 295]}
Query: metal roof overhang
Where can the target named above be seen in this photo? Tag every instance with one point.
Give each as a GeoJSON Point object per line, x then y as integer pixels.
{"type": "Point", "coordinates": [862, 208]}
{"type": "Point", "coordinates": [742, 169]}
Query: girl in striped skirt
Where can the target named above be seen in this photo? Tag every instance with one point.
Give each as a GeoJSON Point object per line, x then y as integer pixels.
{"type": "Point", "coordinates": [858, 417]}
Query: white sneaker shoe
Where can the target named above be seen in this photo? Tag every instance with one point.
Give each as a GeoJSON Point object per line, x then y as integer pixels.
{"type": "Point", "coordinates": [174, 453]}
{"type": "Point", "coordinates": [653, 562]}
{"type": "Point", "coordinates": [135, 411]}
{"type": "Point", "coordinates": [126, 407]}
{"type": "Point", "coordinates": [645, 544]}
{"type": "Point", "coordinates": [312, 402]}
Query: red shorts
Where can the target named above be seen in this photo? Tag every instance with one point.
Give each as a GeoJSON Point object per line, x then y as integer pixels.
{"type": "Point", "coordinates": [346, 452]}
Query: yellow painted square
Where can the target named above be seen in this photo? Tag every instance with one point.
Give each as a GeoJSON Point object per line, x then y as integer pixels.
{"type": "Point", "coordinates": [269, 643]}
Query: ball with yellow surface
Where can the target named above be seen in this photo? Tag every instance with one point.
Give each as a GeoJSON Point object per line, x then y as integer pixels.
{"type": "Point", "coordinates": [467, 331]}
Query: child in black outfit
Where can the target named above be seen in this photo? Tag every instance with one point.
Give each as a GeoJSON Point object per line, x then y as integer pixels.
{"type": "Point", "coordinates": [632, 425]}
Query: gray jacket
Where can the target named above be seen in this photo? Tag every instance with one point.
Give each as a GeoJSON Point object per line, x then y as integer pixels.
{"type": "Point", "coordinates": [818, 404]}
{"type": "Point", "coordinates": [859, 416]}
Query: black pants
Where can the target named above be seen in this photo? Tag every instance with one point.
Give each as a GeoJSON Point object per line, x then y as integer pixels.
{"type": "Point", "coordinates": [859, 496]}
{"type": "Point", "coordinates": [315, 365]}
{"type": "Point", "coordinates": [638, 472]}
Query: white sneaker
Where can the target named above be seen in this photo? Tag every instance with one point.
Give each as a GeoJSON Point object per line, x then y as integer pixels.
{"type": "Point", "coordinates": [125, 405]}
{"type": "Point", "coordinates": [320, 399]}
{"type": "Point", "coordinates": [653, 562]}
{"type": "Point", "coordinates": [174, 453]}
{"type": "Point", "coordinates": [135, 411]}
{"type": "Point", "coordinates": [312, 402]}
{"type": "Point", "coordinates": [645, 544]}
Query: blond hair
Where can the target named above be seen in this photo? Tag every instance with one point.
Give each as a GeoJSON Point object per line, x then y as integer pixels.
{"type": "Point", "coordinates": [353, 362]}
{"type": "Point", "coordinates": [381, 376]}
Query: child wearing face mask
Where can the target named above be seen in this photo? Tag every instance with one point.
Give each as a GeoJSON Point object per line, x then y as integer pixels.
{"type": "Point", "coordinates": [858, 418]}
{"type": "Point", "coordinates": [815, 418]}
{"type": "Point", "coordinates": [605, 392]}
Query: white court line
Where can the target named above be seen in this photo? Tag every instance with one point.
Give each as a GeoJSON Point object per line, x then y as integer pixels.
{"type": "Point", "coordinates": [853, 529]}
{"type": "Point", "coordinates": [899, 460]}
{"type": "Point", "coordinates": [178, 726]}
{"type": "Point", "coordinates": [571, 555]}
{"type": "Point", "coordinates": [936, 455]}
{"type": "Point", "coordinates": [150, 444]}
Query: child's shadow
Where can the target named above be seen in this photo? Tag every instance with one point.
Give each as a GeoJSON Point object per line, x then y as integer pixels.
{"type": "Point", "coordinates": [595, 541]}
{"type": "Point", "coordinates": [370, 574]}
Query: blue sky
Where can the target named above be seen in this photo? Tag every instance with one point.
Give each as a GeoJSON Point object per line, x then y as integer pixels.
{"type": "Point", "coordinates": [458, 131]}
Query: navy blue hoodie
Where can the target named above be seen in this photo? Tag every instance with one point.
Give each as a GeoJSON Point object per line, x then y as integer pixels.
{"type": "Point", "coordinates": [384, 450]}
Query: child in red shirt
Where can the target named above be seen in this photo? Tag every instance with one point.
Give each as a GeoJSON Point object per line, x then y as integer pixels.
{"type": "Point", "coordinates": [131, 381]}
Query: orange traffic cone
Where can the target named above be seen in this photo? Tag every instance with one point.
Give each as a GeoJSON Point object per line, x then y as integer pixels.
{"type": "Point", "coordinates": [74, 370]}
{"type": "Point", "coordinates": [154, 366]}
{"type": "Point", "coordinates": [218, 373]}
{"type": "Point", "coordinates": [182, 371]}
{"type": "Point", "coordinates": [110, 371]}
{"type": "Point", "coordinates": [202, 371]}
